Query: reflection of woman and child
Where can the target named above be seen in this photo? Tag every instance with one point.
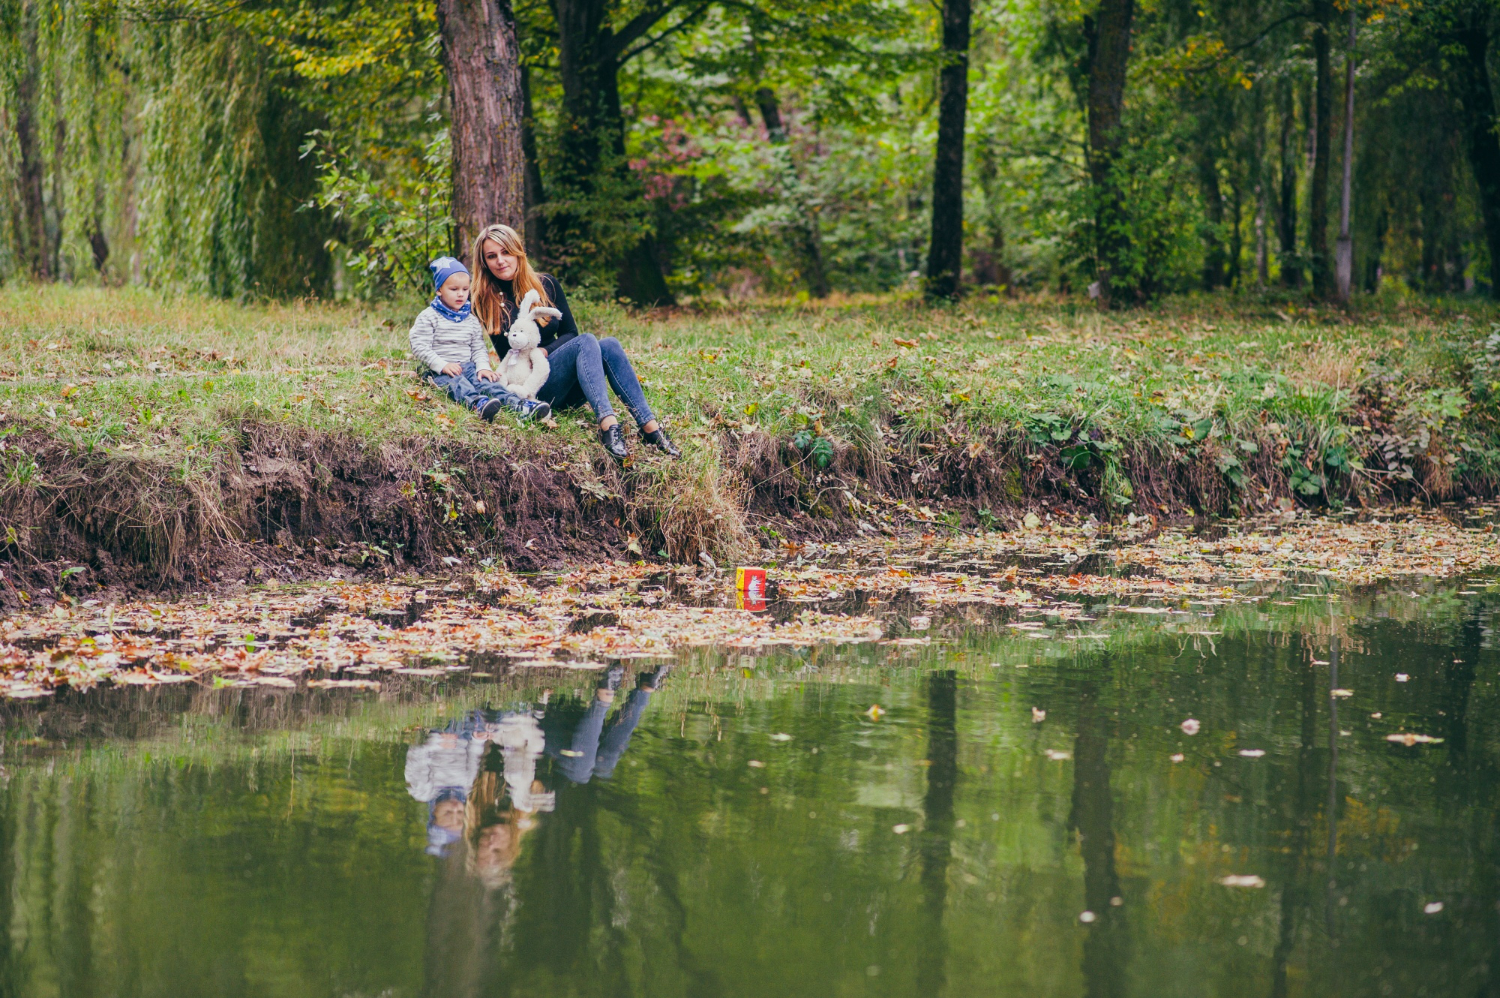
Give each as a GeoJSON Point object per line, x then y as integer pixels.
{"type": "Point", "coordinates": [488, 800]}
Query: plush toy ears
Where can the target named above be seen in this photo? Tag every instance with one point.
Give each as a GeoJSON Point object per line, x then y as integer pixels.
{"type": "Point", "coordinates": [544, 310]}
{"type": "Point", "coordinates": [528, 301]}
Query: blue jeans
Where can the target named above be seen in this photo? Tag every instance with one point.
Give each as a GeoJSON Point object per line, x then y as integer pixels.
{"type": "Point", "coordinates": [582, 367]}
{"type": "Point", "coordinates": [586, 756]}
{"type": "Point", "coordinates": [468, 391]}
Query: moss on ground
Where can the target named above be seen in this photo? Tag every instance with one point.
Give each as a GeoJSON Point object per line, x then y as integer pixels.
{"type": "Point", "coordinates": [162, 414]}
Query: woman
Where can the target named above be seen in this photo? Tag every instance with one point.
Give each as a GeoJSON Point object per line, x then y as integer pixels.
{"type": "Point", "coordinates": [581, 365]}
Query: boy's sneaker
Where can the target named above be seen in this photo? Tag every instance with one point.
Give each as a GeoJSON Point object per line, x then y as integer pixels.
{"type": "Point", "coordinates": [490, 410]}
{"type": "Point", "coordinates": [533, 411]}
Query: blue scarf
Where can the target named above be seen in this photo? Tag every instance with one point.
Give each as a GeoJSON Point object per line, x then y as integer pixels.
{"type": "Point", "coordinates": [448, 313]}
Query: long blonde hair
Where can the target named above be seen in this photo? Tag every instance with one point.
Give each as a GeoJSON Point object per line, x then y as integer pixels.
{"type": "Point", "coordinates": [490, 306]}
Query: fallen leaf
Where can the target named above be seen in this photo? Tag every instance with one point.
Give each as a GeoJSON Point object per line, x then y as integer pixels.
{"type": "Point", "coordinates": [1242, 880]}
{"type": "Point", "coordinates": [1409, 738]}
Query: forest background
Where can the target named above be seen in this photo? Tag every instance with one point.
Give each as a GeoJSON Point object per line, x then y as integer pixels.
{"type": "Point", "coordinates": [685, 151]}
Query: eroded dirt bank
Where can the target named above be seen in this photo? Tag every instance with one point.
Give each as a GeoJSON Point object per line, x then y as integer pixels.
{"type": "Point", "coordinates": [283, 503]}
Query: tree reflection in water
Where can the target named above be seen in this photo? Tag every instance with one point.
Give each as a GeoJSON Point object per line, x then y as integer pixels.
{"type": "Point", "coordinates": [1105, 952]}
{"type": "Point", "coordinates": [937, 830]}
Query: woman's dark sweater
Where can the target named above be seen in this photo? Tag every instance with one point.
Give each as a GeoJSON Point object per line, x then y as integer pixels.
{"type": "Point", "coordinates": [555, 332]}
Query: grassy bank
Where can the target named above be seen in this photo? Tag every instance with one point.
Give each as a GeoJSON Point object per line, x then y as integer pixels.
{"type": "Point", "coordinates": [149, 437]}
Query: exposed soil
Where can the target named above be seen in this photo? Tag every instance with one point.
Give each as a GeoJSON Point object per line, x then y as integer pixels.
{"type": "Point", "coordinates": [290, 504]}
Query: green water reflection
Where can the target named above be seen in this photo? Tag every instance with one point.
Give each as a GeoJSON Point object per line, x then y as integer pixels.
{"type": "Point", "coordinates": [743, 827]}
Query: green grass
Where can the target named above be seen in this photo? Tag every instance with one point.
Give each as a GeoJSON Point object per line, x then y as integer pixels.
{"type": "Point", "coordinates": [1219, 381]}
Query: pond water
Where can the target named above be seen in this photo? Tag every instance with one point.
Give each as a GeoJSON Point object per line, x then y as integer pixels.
{"type": "Point", "coordinates": [1025, 814]}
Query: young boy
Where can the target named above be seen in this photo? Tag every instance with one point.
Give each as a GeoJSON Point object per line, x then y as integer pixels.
{"type": "Point", "coordinates": [449, 345]}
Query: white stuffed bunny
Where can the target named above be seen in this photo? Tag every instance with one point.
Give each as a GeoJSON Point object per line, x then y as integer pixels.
{"type": "Point", "coordinates": [524, 369]}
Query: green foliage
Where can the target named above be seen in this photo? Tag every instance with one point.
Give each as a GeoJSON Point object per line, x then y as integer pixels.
{"type": "Point", "coordinates": [389, 229]}
{"type": "Point", "coordinates": [168, 132]}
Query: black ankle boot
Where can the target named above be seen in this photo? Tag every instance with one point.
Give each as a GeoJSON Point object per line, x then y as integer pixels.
{"type": "Point", "coordinates": [652, 680]}
{"type": "Point", "coordinates": [614, 442]}
{"type": "Point", "coordinates": [658, 438]}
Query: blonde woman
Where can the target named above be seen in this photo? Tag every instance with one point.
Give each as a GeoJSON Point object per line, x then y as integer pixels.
{"type": "Point", "coordinates": [584, 367]}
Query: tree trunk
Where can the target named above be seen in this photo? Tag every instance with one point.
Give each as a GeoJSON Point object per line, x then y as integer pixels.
{"type": "Point", "coordinates": [1317, 209]}
{"type": "Point", "coordinates": [1258, 153]}
{"type": "Point", "coordinates": [1346, 242]}
{"type": "Point", "coordinates": [1213, 208]}
{"type": "Point", "coordinates": [1109, 56]}
{"type": "Point", "coordinates": [536, 195]}
{"type": "Point", "coordinates": [484, 83]}
{"type": "Point", "coordinates": [593, 138]}
{"type": "Point", "coordinates": [60, 163]}
{"type": "Point", "coordinates": [1286, 218]}
{"type": "Point", "coordinates": [945, 251]}
{"type": "Point", "coordinates": [1236, 233]}
{"type": "Point", "coordinates": [34, 249]}
{"type": "Point", "coordinates": [770, 113]}
{"type": "Point", "coordinates": [1470, 83]}
{"type": "Point", "coordinates": [809, 238]}
{"type": "Point", "coordinates": [1373, 260]}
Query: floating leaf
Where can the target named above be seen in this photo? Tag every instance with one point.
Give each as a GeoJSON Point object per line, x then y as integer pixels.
{"type": "Point", "coordinates": [1410, 738]}
{"type": "Point", "coordinates": [1242, 880]}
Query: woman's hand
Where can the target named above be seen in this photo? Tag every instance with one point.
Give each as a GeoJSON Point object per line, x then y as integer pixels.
{"type": "Point", "coordinates": [488, 375]}
{"type": "Point", "coordinates": [452, 370]}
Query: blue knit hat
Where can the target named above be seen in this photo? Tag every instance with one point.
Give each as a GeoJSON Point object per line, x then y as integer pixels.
{"type": "Point", "coordinates": [443, 268]}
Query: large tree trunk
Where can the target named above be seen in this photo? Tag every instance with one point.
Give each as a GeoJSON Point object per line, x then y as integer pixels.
{"type": "Point", "coordinates": [809, 238]}
{"type": "Point", "coordinates": [1470, 83]}
{"type": "Point", "coordinates": [1317, 209]}
{"type": "Point", "coordinates": [484, 82]}
{"type": "Point", "coordinates": [536, 195]}
{"type": "Point", "coordinates": [1286, 217]}
{"type": "Point", "coordinates": [34, 249]}
{"type": "Point", "coordinates": [1109, 56]}
{"type": "Point", "coordinates": [593, 137]}
{"type": "Point", "coordinates": [945, 252]}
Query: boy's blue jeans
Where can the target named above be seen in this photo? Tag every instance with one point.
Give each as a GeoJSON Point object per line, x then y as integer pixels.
{"type": "Point", "coordinates": [468, 391]}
